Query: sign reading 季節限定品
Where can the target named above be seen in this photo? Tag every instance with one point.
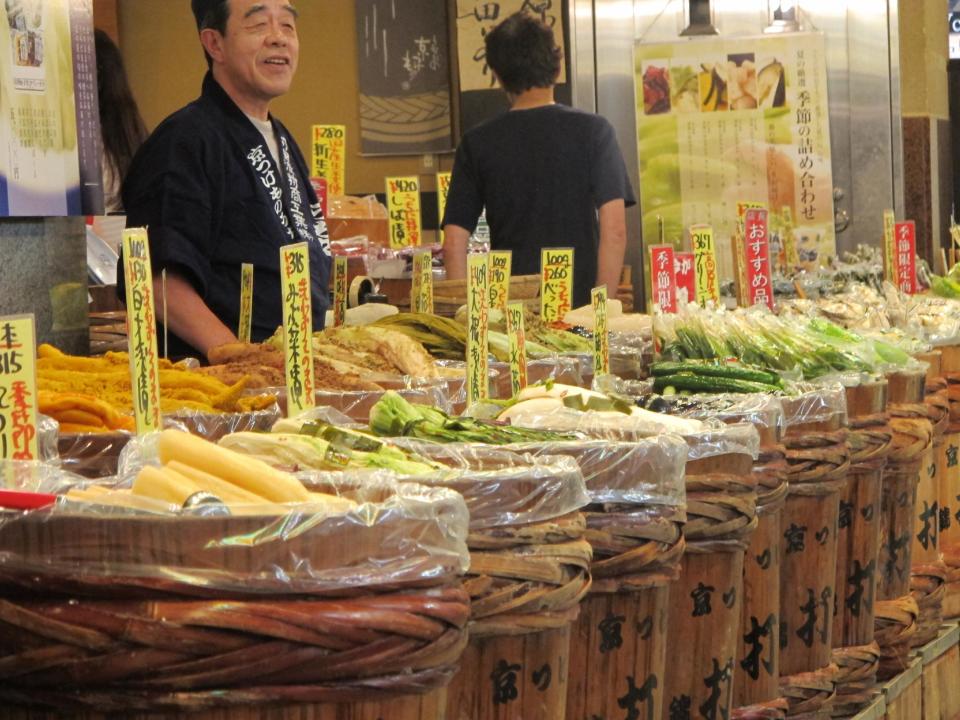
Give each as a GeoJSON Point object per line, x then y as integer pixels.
{"type": "Point", "coordinates": [478, 268]}
{"type": "Point", "coordinates": [726, 119]}
{"type": "Point", "coordinates": [142, 331]}
{"type": "Point", "coordinates": [663, 277]}
{"type": "Point", "coordinates": [18, 389]}
{"type": "Point", "coordinates": [403, 211]}
{"type": "Point", "coordinates": [906, 257]}
{"type": "Point", "coordinates": [297, 327]}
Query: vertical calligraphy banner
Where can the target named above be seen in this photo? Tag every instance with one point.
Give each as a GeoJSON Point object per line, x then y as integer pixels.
{"type": "Point", "coordinates": [705, 264]}
{"type": "Point", "coordinates": [339, 291]}
{"type": "Point", "coordinates": [478, 267]}
{"type": "Point", "coordinates": [18, 389]}
{"type": "Point", "coordinates": [601, 338]}
{"type": "Point", "coordinates": [297, 328]}
{"type": "Point", "coordinates": [142, 331]}
{"type": "Point", "coordinates": [403, 211]}
{"type": "Point", "coordinates": [404, 62]}
{"type": "Point", "coordinates": [330, 157]}
{"type": "Point", "coordinates": [556, 284]}
{"type": "Point", "coordinates": [245, 330]}
{"type": "Point", "coordinates": [517, 334]}
{"type": "Point", "coordinates": [664, 277]}
{"type": "Point", "coordinates": [501, 265]}
{"type": "Point", "coordinates": [756, 242]}
{"type": "Point", "coordinates": [906, 258]}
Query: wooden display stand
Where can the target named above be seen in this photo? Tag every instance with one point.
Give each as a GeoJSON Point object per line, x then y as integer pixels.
{"type": "Point", "coordinates": [941, 675]}
{"type": "Point", "coordinates": [904, 693]}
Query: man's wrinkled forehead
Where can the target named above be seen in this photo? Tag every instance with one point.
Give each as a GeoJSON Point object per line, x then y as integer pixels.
{"type": "Point", "coordinates": [249, 8]}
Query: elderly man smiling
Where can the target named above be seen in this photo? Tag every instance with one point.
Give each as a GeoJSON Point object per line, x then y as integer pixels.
{"type": "Point", "coordinates": [222, 182]}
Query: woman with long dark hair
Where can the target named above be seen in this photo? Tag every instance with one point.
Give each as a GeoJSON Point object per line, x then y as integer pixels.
{"type": "Point", "coordinates": [121, 125]}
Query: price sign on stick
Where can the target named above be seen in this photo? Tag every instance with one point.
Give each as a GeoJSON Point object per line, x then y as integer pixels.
{"type": "Point", "coordinates": [705, 264]}
{"type": "Point", "coordinates": [684, 263]}
{"type": "Point", "coordinates": [906, 257]}
{"type": "Point", "coordinates": [556, 284]}
{"type": "Point", "coordinates": [339, 291]}
{"type": "Point", "coordinates": [142, 331]}
{"type": "Point", "coordinates": [601, 338]}
{"type": "Point", "coordinates": [297, 327]}
{"type": "Point", "coordinates": [246, 303]}
{"type": "Point", "coordinates": [889, 247]}
{"type": "Point", "coordinates": [516, 333]}
{"type": "Point", "coordinates": [421, 295]}
{"type": "Point", "coordinates": [477, 328]}
{"type": "Point", "coordinates": [18, 389]}
{"type": "Point", "coordinates": [501, 262]}
{"type": "Point", "coordinates": [330, 156]}
{"type": "Point", "coordinates": [757, 249]}
{"type": "Point", "coordinates": [443, 190]}
{"type": "Point", "coordinates": [403, 209]}
{"type": "Point", "coordinates": [663, 277]}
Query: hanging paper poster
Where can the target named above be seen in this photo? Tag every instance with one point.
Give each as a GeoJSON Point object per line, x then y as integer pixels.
{"type": "Point", "coordinates": [721, 121]}
{"type": "Point", "coordinates": [50, 142]}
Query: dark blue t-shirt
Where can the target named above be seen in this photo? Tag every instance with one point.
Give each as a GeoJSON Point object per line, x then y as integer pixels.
{"type": "Point", "coordinates": [212, 197]}
{"type": "Point", "coordinates": [542, 175]}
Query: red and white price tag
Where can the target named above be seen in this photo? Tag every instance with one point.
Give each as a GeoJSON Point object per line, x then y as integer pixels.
{"type": "Point", "coordinates": [756, 246]}
{"type": "Point", "coordinates": [905, 235]}
{"type": "Point", "coordinates": [663, 278]}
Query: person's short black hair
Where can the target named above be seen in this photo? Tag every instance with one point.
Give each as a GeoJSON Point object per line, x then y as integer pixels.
{"type": "Point", "coordinates": [523, 52]}
{"type": "Point", "coordinates": [211, 15]}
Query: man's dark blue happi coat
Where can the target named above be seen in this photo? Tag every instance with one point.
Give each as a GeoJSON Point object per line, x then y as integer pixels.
{"type": "Point", "coordinates": [208, 190]}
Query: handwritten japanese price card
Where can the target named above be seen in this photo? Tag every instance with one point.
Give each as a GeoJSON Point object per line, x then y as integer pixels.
{"type": "Point", "coordinates": [18, 389]}
{"type": "Point", "coordinates": [297, 327]}
{"type": "Point", "coordinates": [330, 156]}
{"type": "Point", "coordinates": [246, 303]}
{"type": "Point", "coordinates": [403, 209]}
{"type": "Point", "coordinates": [477, 328]}
{"type": "Point", "coordinates": [756, 246]}
{"type": "Point", "coordinates": [517, 335]}
{"type": "Point", "coordinates": [889, 246]}
{"type": "Point", "coordinates": [443, 190]}
{"type": "Point", "coordinates": [705, 264]}
{"type": "Point", "coordinates": [421, 290]}
{"type": "Point", "coordinates": [556, 284]}
{"type": "Point", "coordinates": [339, 291]}
{"type": "Point", "coordinates": [142, 331]}
{"type": "Point", "coordinates": [501, 262]}
{"type": "Point", "coordinates": [663, 277]}
{"type": "Point", "coordinates": [601, 338]}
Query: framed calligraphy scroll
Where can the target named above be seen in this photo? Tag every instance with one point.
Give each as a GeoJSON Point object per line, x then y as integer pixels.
{"type": "Point", "coordinates": [722, 121]}
{"type": "Point", "coordinates": [480, 97]}
{"type": "Point", "coordinates": [404, 55]}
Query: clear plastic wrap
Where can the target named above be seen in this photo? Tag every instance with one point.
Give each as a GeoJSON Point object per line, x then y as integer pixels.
{"type": "Point", "coordinates": [48, 433]}
{"type": "Point", "coordinates": [823, 405]}
{"type": "Point", "coordinates": [647, 471]}
{"type": "Point", "coordinates": [399, 534]}
{"type": "Point", "coordinates": [565, 369]}
{"type": "Point", "coordinates": [502, 487]}
{"type": "Point", "coordinates": [97, 455]}
{"type": "Point", "coordinates": [629, 354]}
